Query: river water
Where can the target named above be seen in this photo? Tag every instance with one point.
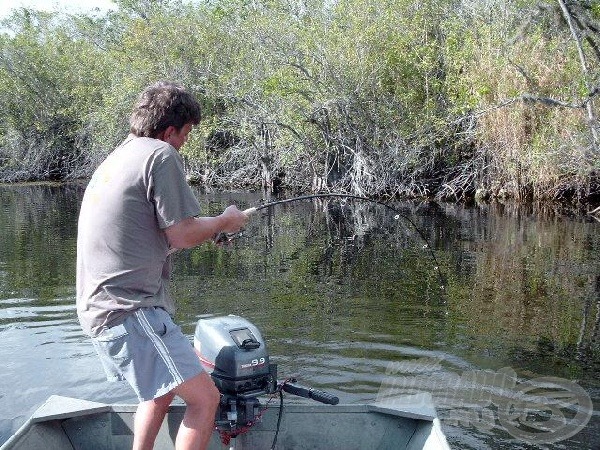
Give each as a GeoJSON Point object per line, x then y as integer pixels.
{"type": "Point", "coordinates": [497, 314]}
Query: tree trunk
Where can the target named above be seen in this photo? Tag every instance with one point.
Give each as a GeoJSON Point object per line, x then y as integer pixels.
{"type": "Point", "coordinates": [590, 103]}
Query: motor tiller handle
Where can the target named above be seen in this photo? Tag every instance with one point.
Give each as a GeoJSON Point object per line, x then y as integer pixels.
{"type": "Point", "coordinates": [324, 397]}
{"type": "Point", "coordinates": [315, 394]}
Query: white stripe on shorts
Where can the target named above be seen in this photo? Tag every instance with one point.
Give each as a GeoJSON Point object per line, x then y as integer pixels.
{"type": "Point", "coordinates": [160, 346]}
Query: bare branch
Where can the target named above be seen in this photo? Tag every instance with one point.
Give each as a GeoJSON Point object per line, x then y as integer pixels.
{"type": "Point", "coordinates": [589, 105]}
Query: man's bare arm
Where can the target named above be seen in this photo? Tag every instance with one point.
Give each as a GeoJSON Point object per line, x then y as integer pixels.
{"type": "Point", "coordinates": [196, 230]}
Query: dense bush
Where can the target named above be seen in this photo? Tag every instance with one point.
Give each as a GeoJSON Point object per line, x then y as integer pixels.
{"type": "Point", "coordinates": [435, 98]}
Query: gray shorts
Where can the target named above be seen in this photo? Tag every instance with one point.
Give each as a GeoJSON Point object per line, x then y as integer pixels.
{"type": "Point", "coordinates": [149, 351]}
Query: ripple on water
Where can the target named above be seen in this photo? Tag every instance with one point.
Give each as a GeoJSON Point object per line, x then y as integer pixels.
{"type": "Point", "coordinates": [31, 313]}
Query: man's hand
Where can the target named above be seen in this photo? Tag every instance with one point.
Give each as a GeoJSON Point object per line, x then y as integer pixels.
{"type": "Point", "coordinates": [196, 230]}
{"type": "Point", "coordinates": [234, 218]}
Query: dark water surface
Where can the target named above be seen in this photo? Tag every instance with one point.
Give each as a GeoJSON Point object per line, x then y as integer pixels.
{"type": "Point", "coordinates": [349, 301]}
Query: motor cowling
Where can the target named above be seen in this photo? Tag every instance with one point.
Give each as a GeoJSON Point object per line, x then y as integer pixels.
{"type": "Point", "coordinates": [233, 351]}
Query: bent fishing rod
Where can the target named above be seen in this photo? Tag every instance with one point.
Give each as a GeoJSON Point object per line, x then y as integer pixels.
{"type": "Point", "coordinates": [225, 237]}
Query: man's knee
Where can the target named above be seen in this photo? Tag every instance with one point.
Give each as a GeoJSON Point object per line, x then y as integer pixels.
{"type": "Point", "coordinates": [199, 391]}
{"type": "Point", "coordinates": [213, 396]}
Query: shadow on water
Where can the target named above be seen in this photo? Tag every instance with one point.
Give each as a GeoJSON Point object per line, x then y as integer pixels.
{"type": "Point", "coordinates": [348, 299]}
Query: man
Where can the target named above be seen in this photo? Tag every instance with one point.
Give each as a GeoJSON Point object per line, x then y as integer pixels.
{"type": "Point", "coordinates": [136, 209]}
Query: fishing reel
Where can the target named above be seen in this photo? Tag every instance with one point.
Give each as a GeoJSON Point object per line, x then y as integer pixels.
{"type": "Point", "coordinates": [233, 352]}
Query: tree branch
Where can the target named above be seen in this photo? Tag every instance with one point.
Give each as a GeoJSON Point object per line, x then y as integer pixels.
{"type": "Point", "coordinates": [589, 105]}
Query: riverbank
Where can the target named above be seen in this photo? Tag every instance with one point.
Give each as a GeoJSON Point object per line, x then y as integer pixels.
{"type": "Point", "coordinates": [383, 99]}
{"type": "Point", "coordinates": [539, 209]}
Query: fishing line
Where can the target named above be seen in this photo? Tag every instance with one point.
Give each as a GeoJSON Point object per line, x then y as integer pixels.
{"type": "Point", "coordinates": [398, 215]}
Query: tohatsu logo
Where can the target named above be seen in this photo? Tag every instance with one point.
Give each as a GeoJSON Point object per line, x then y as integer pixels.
{"type": "Point", "coordinates": [254, 363]}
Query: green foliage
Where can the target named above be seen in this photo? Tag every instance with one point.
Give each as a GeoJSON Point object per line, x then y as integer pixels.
{"type": "Point", "coordinates": [595, 8]}
{"type": "Point", "coordinates": [51, 81]}
{"type": "Point", "coordinates": [370, 97]}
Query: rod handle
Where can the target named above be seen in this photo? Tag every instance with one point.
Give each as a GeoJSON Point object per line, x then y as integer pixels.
{"type": "Point", "coordinates": [223, 237]}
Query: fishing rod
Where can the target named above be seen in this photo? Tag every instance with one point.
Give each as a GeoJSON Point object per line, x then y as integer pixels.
{"type": "Point", "coordinates": [225, 237]}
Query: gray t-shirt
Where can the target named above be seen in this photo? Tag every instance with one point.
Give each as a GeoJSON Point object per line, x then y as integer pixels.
{"type": "Point", "coordinates": [122, 250]}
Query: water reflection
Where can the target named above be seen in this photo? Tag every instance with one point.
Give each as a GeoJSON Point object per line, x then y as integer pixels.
{"type": "Point", "coordinates": [342, 291]}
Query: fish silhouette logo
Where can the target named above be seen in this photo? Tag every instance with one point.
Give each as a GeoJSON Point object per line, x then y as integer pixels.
{"type": "Point", "coordinates": [546, 410]}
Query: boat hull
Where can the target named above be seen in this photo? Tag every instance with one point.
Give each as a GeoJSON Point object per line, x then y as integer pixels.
{"type": "Point", "coordinates": [65, 423]}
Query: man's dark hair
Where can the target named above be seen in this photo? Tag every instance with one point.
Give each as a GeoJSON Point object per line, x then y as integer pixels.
{"type": "Point", "coordinates": [161, 105]}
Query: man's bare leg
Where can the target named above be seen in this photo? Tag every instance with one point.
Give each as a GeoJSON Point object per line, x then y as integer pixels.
{"type": "Point", "coordinates": [201, 398]}
{"type": "Point", "coordinates": [148, 419]}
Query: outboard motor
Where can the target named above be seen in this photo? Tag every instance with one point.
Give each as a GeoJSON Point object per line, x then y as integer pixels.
{"type": "Point", "coordinates": [233, 352]}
